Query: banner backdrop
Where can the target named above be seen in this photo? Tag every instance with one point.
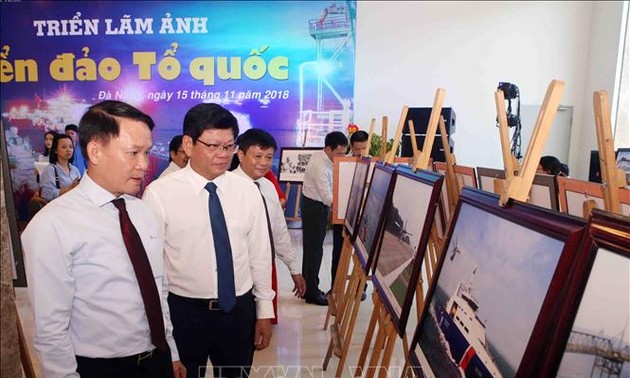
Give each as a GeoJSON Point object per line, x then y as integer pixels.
{"type": "Point", "coordinates": [286, 67]}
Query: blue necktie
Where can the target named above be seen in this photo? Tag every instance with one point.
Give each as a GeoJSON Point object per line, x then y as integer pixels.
{"type": "Point", "coordinates": [222, 250]}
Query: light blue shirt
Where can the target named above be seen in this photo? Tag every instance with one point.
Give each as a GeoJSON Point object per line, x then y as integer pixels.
{"type": "Point", "coordinates": [79, 160]}
{"type": "Point", "coordinates": [85, 295]}
{"type": "Point", "coordinates": [48, 184]}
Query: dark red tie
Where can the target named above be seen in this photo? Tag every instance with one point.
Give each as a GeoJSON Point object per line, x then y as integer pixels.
{"type": "Point", "coordinates": [144, 274]}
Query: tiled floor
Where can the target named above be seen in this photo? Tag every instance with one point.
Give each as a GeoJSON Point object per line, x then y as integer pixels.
{"type": "Point", "coordinates": [299, 343]}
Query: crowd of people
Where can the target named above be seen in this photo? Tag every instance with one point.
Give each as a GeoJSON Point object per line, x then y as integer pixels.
{"type": "Point", "coordinates": [154, 287]}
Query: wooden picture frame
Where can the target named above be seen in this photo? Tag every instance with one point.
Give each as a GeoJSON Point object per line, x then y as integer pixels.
{"type": "Point", "coordinates": [404, 238]}
{"type": "Point", "coordinates": [356, 197]}
{"type": "Point", "coordinates": [543, 193]}
{"type": "Point", "coordinates": [343, 174]}
{"type": "Point", "coordinates": [15, 244]}
{"type": "Point", "coordinates": [623, 162]}
{"type": "Point", "coordinates": [519, 258]}
{"type": "Point", "coordinates": [372, 216]}
{"type": "Point", "coordinates": [592, 331]}
{"type": "Point", "coordinates": [573, 194]}
{"type": "Point", "coordinates": [343, 181]}
{"type": "Point", "coordinates": [293, 162]}
{"type": "Point", "coordinates": [469, 178]}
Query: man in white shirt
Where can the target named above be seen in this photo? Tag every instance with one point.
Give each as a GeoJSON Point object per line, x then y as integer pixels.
{"type": "Point", "coordinates": [99, 303]}
{"type": "Point", "coordinates": [317, 189]}
{"type": "Point", "coordinates": [177, 156]}
{"type": "Point", "coordinates": [255, 154]}
{"type": "Point", "coordinates": [207, 323]}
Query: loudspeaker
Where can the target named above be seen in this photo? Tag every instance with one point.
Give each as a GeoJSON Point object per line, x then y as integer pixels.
{"type": "Point", "coordinates": [420, 118]}
{"type": "Point", "coordinates": [437, 152]}
{"type": "Point", "coordinates": [594, 170]}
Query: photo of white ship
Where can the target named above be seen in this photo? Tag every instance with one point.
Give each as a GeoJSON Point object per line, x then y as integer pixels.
{"type": "Point", "coordinates": [488, 296]}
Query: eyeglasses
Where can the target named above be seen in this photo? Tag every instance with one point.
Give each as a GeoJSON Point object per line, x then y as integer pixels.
{"type": "Point", "coordinates": [231, 148]}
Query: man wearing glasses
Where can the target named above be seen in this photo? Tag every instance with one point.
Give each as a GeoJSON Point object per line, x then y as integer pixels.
{"type": "Point", "coordinates": [218, 260]}
{"type": "Point", "coordinates": [177, 156]}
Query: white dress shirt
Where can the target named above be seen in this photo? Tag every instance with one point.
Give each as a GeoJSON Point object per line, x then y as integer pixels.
{"type": "Point", "coordinates": [48, 184]}
{"type": "Point", "coordinates": [318, 178]}
{"type": "Point", "coordinates": [181, 202]}
{"type": "Point", "coordinates": [281, 238]}
{"type": "Point", "coordinates": [85, 295]}
{"type": "Point", "coordinates": [172, 167]}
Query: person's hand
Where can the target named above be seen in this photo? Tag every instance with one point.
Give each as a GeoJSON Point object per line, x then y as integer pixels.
{"type": "Point", "coordinates": [262, 333]}
{"type": "Point", "coordinates": [299, 288]}
{"type": "Point", "coordinates": [283, 203]}
{"type": "Point", "coordinates": [179, 370]}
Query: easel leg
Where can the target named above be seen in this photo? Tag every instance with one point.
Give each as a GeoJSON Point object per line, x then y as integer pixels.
{"type": "Point", "coordinates": [348, 331]}
{"type": "Point", "coordinates": [368, 336]}
{"type": "Point", "coordinates": [341, 280]}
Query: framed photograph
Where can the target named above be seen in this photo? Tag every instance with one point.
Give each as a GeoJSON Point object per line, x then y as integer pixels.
{"type": "Point", "coordinates": [408, 222]}
{"type": "Point", "coordinates": [573, 194]}
{"type": "Point", "coordinates": [623, 162]}
{"type": "Point", "coordinates": [11, 233]}
{"type": "Point", "coordinates": [343, 174]}
{"type": "Point", "coordinates": [544, 191]}
{"type": "Point", "coordinates": [357, 196]}
{"type": "Point", "coordinates": [293, 162]}
{"type": "Point", "coordinates": [372, 215]}
{"type": "Point", "coordinates": [593, 334]}
{"type": "Point", "coordinates": [468, 177]}
{"type": "Point", "coordinates": [498, 287]}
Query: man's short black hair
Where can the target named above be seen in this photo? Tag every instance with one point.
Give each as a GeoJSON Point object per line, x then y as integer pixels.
{"type": "Point", "coordinates": [72, 127]}
{"type": "Point", "coordinates": [174, 145]}
{"type": "Point", "coordinates": [256, 137]}
{"type": "Point", "coordinates": [208, 117]}
{"type": "Point", "coordinates": [101, 121]}
{"type": "Point", "coordinates": [335, 139]}
{"type": "Point", "coordinates": [358, 136]}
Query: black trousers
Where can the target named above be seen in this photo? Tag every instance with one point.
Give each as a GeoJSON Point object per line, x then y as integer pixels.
{"type": "Point", "coordinates": [146, 365]}
{"type": "Point", "coordinates": [202, 333]}
{"type": "Point", "coordinates": [336, 252]}
{"type": "Point", "coordinates": [314, 222]}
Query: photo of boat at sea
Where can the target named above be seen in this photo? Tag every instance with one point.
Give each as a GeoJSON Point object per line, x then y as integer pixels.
{"type": "Point", "coordinates": [489, 292]}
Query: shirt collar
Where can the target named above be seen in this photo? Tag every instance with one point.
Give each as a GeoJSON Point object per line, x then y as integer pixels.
{"type": "Point", "coordinates": [96, 193]}
{"type": "Point", "coordinates": [199, 182]}
{"type": "Point", "coordinates": [241, 172]}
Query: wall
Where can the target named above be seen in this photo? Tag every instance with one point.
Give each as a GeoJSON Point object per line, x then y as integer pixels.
{"type": "Point", "coordinates": [600, 74]}
{"type": "Point", "coordinates": [405, 50]}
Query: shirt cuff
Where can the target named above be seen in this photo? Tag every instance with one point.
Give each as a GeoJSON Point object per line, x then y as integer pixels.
{"type": "Point", "coordinates": [264, 309]}
{"type": "Point", "coordinates": [174, 352]}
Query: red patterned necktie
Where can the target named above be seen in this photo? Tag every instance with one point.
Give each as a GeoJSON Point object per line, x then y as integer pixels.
{"type": "Point", "coordinates": [144, 274]}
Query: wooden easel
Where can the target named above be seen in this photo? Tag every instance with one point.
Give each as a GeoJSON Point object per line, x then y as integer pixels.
{"type": "Point", "coordinates": [346, 315]}
{"type": "Point", "coordinates": [387, 333]}
{"type": "Point", "coordinates": [345, 298]}
{"type": "Point", "coordinates": [520, 184]}
{"type": "Point", "coordinates": [384, 126]}
{"type": "Point", "coordinates": [369, 140]}
{"type": "Point", "coordinates": [389, 158]}
{"type": "Point", "coordinates": [510, 163]}
{"type": "Point", "coordinates": [613, 178]}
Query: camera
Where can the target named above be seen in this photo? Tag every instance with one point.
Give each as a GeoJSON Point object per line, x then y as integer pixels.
{"type": "Point", "coordinates": [510, 91]}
